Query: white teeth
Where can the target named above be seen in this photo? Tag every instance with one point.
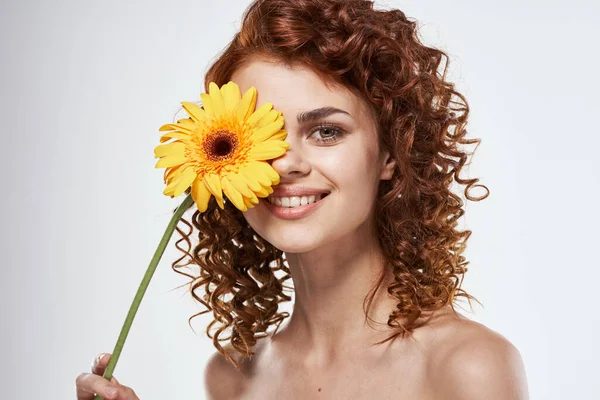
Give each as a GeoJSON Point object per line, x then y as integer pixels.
{"type": "Point", "coordinates": [294, 201]}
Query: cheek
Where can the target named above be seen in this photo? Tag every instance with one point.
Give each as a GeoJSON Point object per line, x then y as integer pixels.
{"type": "Point", "coordinates": [351, 170]}
{"type": "Point", "coordinates": [256, 216]}
{"type": "Point", "coordinates": [251, 215]}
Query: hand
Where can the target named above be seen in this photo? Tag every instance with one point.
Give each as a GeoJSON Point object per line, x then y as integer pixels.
{"type": "Point", "coordinates": [88, 385]}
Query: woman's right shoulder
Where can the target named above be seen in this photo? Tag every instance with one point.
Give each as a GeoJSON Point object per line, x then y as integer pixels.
{"type": "Point", "coordinates": [221, 379]}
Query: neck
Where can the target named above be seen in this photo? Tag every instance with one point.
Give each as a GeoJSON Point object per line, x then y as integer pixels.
{"type": "Point", "coordinates": [330, 285]}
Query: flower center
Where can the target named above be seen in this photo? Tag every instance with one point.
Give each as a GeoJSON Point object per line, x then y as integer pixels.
{"type": "Point", "coordinates": [220, 144]}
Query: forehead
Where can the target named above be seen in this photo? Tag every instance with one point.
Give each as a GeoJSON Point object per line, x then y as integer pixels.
{"type": "Point", "coordinates": [296, 88]}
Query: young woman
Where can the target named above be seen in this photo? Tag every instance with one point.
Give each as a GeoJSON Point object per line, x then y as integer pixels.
{"type": "Point", "coordinates": [376, 135]}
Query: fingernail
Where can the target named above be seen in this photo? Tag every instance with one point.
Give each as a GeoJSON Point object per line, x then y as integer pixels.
{"type": "Point", "coordinates": [110, 391]}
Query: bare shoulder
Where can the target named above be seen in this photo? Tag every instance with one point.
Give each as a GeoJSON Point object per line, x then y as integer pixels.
{"type": "Point", "coordinates": [221, 379]}
{"type": "Point", "coordinates": [470, 361]}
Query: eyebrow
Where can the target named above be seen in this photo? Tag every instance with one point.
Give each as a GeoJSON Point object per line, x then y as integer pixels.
{"type": "Point", "coordinates": [319, 113]}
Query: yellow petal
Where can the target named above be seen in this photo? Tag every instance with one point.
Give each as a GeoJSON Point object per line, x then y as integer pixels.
{"type": "Point", "coordinates": [171, 160]}
{"type": "Point", "coordinates": [269, 190]}
{"type": "Point", "coordinates": [247, 104]}
{"type": "Point", "coordinates": [233, 195]}
{"type": "Point", "coordinates": [175, 127]}
{"type": "Point", "coordinates": [194, 111]}
{"type": "Point", "coordinates": [241, 185]}
{"type": "Point", "coordinates": [254, 184]}
{"type": "Point", "coordinates": [184, 181]}
{"type": "Point", "coordinates": [259, 113]}
{"type": "Point", "coordinates": [179, 135]}
{"type": "Point", "coordinates": [271, 116]}
{"type": "Point", "coordinates": [231, 96]}
{"type": "Point", "coordinates": [281, 135]}
{"type": "Point", "coordinates": [248, 203]}
{"type": "Point", "coordinates": [169, 189]}
{"type": "Point", "coordinates": [173, 173]}
{"type": "Point", "coordinates": [207, 103]}
{"type": "Point", "coordinates": [254, 170]}
{"type": "Point", "coordinates": [187, 123]}
{"type": "Point", "coordinates": [170, 148]}
{"type": "Point", "coordinates": [266, 131]}
{"type": "Point", "coordinates": [262, 192]}
{"type": "Point", "coordinates": [200, 194]}
{"type": "Point", "coordinates": [218, 104]}
{"type": "Point", "coordinates": [264, 169]}
{"type": "Point", "coordinates": [267, 150]}
{"type": "Point", "coordinates": [213, 183]}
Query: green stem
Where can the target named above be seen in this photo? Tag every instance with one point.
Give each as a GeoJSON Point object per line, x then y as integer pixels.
{"type": "Point", "coordinates": [142, 289]}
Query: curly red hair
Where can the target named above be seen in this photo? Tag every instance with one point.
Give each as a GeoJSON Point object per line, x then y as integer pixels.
{"type": "Point", "coordinates": [421, 122]}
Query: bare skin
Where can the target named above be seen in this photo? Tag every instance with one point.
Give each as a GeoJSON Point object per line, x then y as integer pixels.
{"type": "Point", "coordinates": [334, 259]}
{"type": "Point", "coordinates": [450, 358]}
{"type": "Point", "coordinates": [87, 385]}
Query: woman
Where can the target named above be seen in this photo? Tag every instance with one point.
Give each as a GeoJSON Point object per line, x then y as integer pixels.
{"type": "Point", "coordinates": [375, 135]}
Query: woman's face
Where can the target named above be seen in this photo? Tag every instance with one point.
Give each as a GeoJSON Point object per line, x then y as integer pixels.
{"type": "Point", "coordinates": [341, 158]}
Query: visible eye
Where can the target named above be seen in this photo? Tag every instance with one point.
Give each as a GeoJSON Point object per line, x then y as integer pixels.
{"type": "Point", "coordinates": [329, 133]}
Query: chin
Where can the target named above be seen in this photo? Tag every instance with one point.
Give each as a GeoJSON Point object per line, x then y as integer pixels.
{"type": "Point", "coordinates": [293, 245]}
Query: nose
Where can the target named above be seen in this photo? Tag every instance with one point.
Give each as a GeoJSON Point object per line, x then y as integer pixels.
{"type": "Point", "coordinates": [291, 164]}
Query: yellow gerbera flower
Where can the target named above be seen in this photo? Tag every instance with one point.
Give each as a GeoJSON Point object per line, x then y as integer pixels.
{"type": "Point", "coordinates": [222, 148]}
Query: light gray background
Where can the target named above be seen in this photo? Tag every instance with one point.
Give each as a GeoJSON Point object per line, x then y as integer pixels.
{"type": "Point", "coordinates": [85, 86]}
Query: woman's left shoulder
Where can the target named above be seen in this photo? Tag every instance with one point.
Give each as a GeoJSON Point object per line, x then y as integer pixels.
{"type": "Point", "coordinates": [471, 361]}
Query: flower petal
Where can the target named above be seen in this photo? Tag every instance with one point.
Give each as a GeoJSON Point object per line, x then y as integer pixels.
{"type": "Point", "coordinates": [195, 112]}
{"type": "Point", "coordinates": [169, 189]}
{"type": "Point", "coordinates": [241, 186]}
{"type": "Point", "coordinates": [269, 189]}
{"type": "Point", "coordinates": [255, 170]}
{"type": "Point", "coordinates": [248, 203]}
{"type": "Point", "coordinates": [267, 150]}
{"type": "Point", "coordinates": [281, 135]}
{"type": "Point", "coordinates": [254, 184]}
{"type": "Point", "coordinates": [231, 96]}
{"type": "Point", "coordinates": [179, 135]}
{"type": "Point", "coordinates": [268, 118]}
{"type": "Point", "coordinates": [233, 195]}
{"type": "Point", "coordinates": [247, 104]}
{"type": "Point", "coordinates": [175, 127]}
{"type": "Point", "coordinates": [188, 176]}
{"type": "Point", "coordinates": [218, 105]}
{"type": "Point", "coordinates": [171, 160]}
{"type": "Point", "coordinates": [207, 103]}
{"type": "Point", "coordinates": [259, 113]}
{"type": "Point", "coordinates": [187, 123]}
{"type": "Point", "coordinates": [173, 173]}
{"type": "Point", "coordinates": [163, 150]}
{"type": "Point", "coordinates": [265, 169]}
{"type": "Point", "coordinates": [266, 131]}
{"type": "Point", "coordinates": [213, 183]}
{"type": "Point", "coordinates": [200, 194]}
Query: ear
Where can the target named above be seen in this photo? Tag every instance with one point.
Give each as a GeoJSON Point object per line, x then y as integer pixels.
{"type": "Point", "coordinates": [387, 167]}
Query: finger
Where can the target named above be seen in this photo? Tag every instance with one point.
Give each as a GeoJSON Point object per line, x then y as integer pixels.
{"type": "Point", "coordinates": [115, 381]}
{"type": "Point", "coordinates": [127, 393]}
{"type": "Point", "coordinates": [87, 385]}
{"type": "Point", "coordinates": [100, 362]}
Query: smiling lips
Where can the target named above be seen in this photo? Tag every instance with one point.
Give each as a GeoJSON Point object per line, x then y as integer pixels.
{"type": "Point", "coordinates": [283, 190]}
{"type": "Point", "coordinates": [294, 202]}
